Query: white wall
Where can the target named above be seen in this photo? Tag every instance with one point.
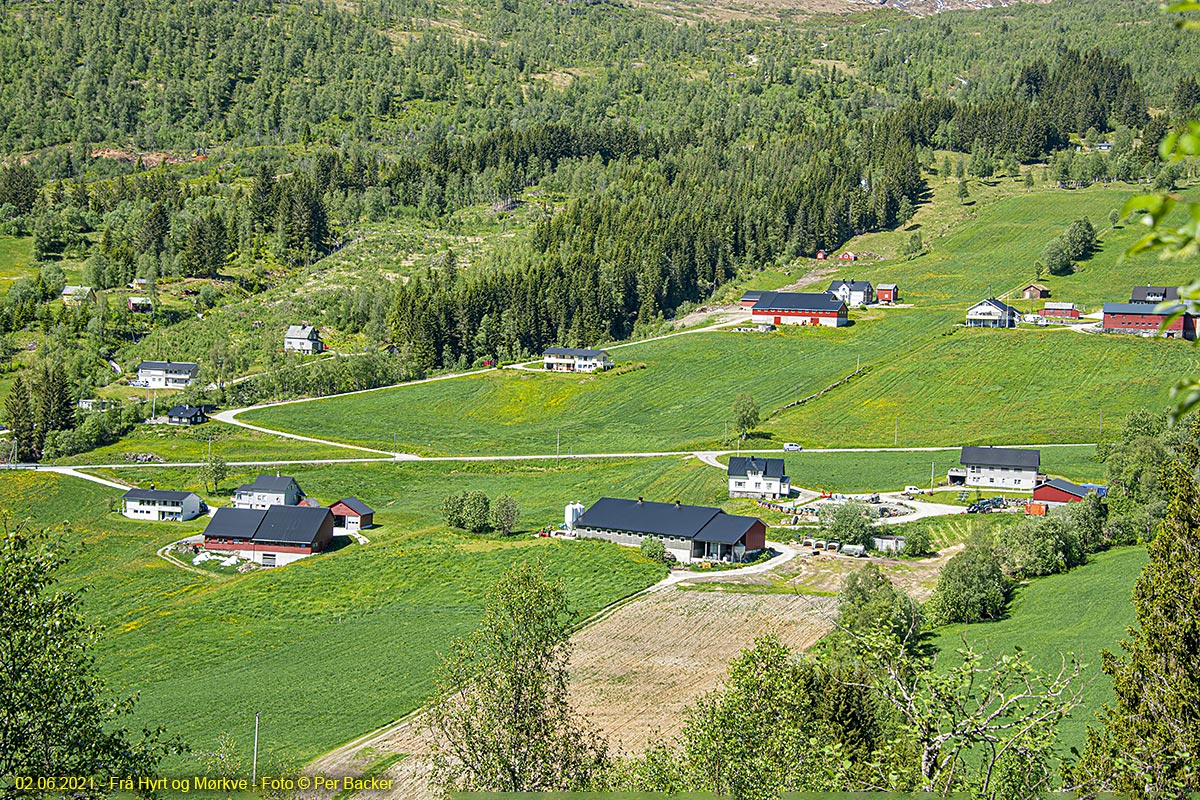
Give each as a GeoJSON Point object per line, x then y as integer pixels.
{"type": "Point", "coordinates": [1001, 478]}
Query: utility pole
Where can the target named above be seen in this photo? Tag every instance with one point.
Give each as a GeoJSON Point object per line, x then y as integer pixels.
{"type": "Point", "coordinates": [254, 765]}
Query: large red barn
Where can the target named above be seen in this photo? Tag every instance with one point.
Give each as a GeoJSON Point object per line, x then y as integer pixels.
{"type": "Point", "coordinates": [800, 308]}
{"type": "Point", "coordinates": [1145, 318]}
{"type": "Point", "coordinates": [1059, 491]}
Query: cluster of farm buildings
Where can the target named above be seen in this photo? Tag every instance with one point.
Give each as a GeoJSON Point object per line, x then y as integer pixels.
{"type": "Point", "coordinates": [1149, 307]}
{"type": "Point", "coordinates": [270, 522]}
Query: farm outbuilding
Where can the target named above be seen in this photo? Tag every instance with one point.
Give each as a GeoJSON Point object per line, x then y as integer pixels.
{"type": "Point", "coordinates": [352, 514]}
{"type": "Point", "coordinates": [1147, 319]}
{"type": "Point", "coordinates": [1035, 291]}
{"type": "Point", "coordinates": [1060, 311]}
{"type": "Point", "coordinates": [271, 537]}
{"type": "Point", "coordinates": [800, 308]}
{"type": "Point", "coordinates": [1056, 492]}
{"type": "Point", "coordinates": [887, 293]}
{"type": "Point", "coordinates": [690, 533]}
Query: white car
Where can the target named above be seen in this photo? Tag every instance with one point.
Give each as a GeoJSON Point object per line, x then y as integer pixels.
{"type": "Point", "coordinates": [792, 447]}
{"type": "Point", "coordinates": [912, 489]}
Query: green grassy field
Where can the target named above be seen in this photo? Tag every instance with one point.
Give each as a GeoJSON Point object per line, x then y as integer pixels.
{"type": "Point", "coordinates": [1081, 613]}
{"type": "Point", "coordinates": [927, 383]}
{"type": "Point", "coordinates": [16, 256]}
{"type": "Point", "coordinates": [343, 642]}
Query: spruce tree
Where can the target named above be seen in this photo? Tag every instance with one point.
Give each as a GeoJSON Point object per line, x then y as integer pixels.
{"type": "Point", "coordinates": [19, 411]}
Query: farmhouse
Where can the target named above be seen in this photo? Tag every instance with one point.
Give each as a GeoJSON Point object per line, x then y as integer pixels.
{"type": "Point", "coordinates": [887, 293]}
{"type": "Point", "coordinates": [160, 505]}
{"type": "Point", "coordinates": [571, 359]}
{"type": "Point", "coordinates": [304, 339]}
{"type": "Point", "coordinates": [271, 537]}
{"type": "Point", "coordinates": [800, 308]}
{"type": "Point", "coordinates": [690, 533]}
{"type": "Point", "coordinates": [1056, 492]}
{"type": "Point", "coordinates": [853, 293]}
{"type": "Point", "coordinates": [997, 468]}
{"type": "Point", "coordinates": [352, 514]}
{"type": "Point", "coordinates": [139, 305]}
{"type": "Point", "coordinates": [1060, 311]}
{"type": "Point", "coordinates": [1153, 294]}
{"type": "Point", "coordinates": [758, 477]}
{"type": "Point", "coordinates": [1034, 291]}
{"type": "Point", "coordinates": [77, 295]}
{"type": "Point", "coordinates": [184, 414]}
{"type": "Point", "coordinates": [267, 491]}
{"type": "Point", "coordinates": [992, 313]}
{"type": "Point", "coordinates": [165, 374]}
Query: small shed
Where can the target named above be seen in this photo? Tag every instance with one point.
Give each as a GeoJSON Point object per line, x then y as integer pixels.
{"type": "Point", "coordinates": [887, 293]}
{"type": "Point", "coordinates": [847, 256]}
{"type": "Point", "coordinates": [352, 514]}
{"type": "Point", "coordinates": [1034, 291]}
{"type": "Point", "coordinates": [139, 305]}
{"type": "Point", "coordinates": [822, 255]}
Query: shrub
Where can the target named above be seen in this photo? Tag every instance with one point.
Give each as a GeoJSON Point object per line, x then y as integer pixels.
{"type": "Point", "coordinates": [972, 587]}
{"type": "Point", "coordinates": [654, 549]}
{"type": "Point", "coordinates": [847, 523]}
{"type": "Point", "coordinates": [476, 512]}
{"type": "Point", "coordinates": [917, 542]}
{"type": "Point", "coordinates": [1036, 547]}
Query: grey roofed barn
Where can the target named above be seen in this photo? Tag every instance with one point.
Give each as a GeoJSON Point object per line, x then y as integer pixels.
{"type": "Point", "coordinates": [355, 505]}
{"type": "Point", "coordinates": [699, 523]}
{"type": "Point", "coordinates": [1139, 308]}
{"type": "Point", "coordinates": [296, 526]}
{"type": "Point", "coordinates": [1068, 487]}
{"type": "Point", "coordinates": [798, 301]}
{"type": "Point", "coordinates": [725, 529]}
{"type": "Point", "coordinates": [1001, 457]}
{"type": "Point", "coordinates": [234, 523]}
{"type": "Point", "coordinates": [740, 466]}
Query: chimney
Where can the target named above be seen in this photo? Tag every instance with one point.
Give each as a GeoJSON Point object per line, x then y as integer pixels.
{"type": "Point", "coordinates": [639, 501]}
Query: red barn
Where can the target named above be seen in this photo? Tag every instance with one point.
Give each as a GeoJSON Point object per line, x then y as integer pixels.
{"type": "Point", "coordinates": [822, 255]}
{"type": "Point", "coordinates": [750, 298]}
{"type": "Point", "coordinates": [1056, 491]}
{"type": "Point", "coordinates": [886, 293]}
{"type": "Point", "coordinates": [1060, 311]}
{"type": "Point", "coordinates": [847, 256]}
{"type": "Point", "coordinates": [272, 536]}
{"type": "Point", "coordinates": [1145, 318]}
{"type": "Point", "coordinates": [352, 514]}
{"type": "Point", "coordinates": [800, 308]}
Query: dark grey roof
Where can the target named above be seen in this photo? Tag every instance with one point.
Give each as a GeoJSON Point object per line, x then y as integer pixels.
{"type": "Point", "coordinates": [725, 529]}
{"type": "Point", "coordinates": [356, 505]}
{"type": "Point", "coordinates": [1139, 308]}
{"type": "Point", "coordinates": [271, 483]}
{"type": "Point", "coordinates": [157, 494]}
{"type": "Point", "coordinates": [234, 523]}
{"type": "Point", "coordinates": [188, 365]}
{"type": "Point", "coordinates": [855, 286]}
{"type": "Point", "coordinates": [185, 411]}
{"type": "Point", "coordinates": [572, 351]}
{"type": "Point", "coordinates": [664, 519]}
{"type": "Point", "coordinates": [1067, 486]}
{"type": "Point", "coordinates": [742, 465]}
{"type": "Point", "coordinates": [798, 301]}
{"type": "Point", "coordinates": [297, 526]}
{"type": "Point", "coordinates": [1153, 294]}
{"type": "Point", "coordinates": [994, 303]}
{"type": "Point", "coordinates": [753, 294]}
{"type": "Point", "coordinates": [1001, 457]}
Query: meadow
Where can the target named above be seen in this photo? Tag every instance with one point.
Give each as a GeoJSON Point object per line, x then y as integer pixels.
{"type": "Point", "coordinates": [1080, 613]}
{"type": "Point", "coordinates": [927, 382]}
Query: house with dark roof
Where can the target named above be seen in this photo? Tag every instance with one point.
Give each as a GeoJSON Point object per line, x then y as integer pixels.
{"type": "Point", "coordinates": [303, 339]}
{"type": "Point", "coordinates": [991, 313]}
{"type": "Point", "coordinates": [853, 293]}
{"type": "Point", "coordinates": [184, 414]}
{"type": "Point", "coordinates": [352, 514]}
{"type": "Point", "coordinates": [764, 478]}
{"type": "Point", "coordinates": [1057, 492]}
{"type": "Point", "coordinates": [1153, 294]}
{"type": "Point", "coordinates": [272, 536]}
{"type": "Point", "coordinates": [690, 533]}
{"type": "Point", "coordinates": [998, 468]}
{"type": "Point", "coordinates": [800, 308]}
{"type": "Point", "coordinates": [574, 359]}
{"type": "Point", "coordinates": [161, 505]}
{"type": "Point", "coordinates": [1147, 319]}
{"type": "Point", "coordinates": [267, 491]}
{"type": "Point", "coordinates": [165, 374]}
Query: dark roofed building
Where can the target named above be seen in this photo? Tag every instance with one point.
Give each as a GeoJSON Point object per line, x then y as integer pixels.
{"type": "Point", "coordinates": [184, 414]}
{"type": "Point", "coordinates": [1153, 294]}
{"type": "Point", "coordinates": [352, 514]}
{"type": "Point", "coordinates": [852, 292]}
{"type": "Point", "coordinates": [800, 308]}
{"type": "Point", "coordinates": [750, 298]}
{"type": "Point", "coordinates": [690, 533]}
{"type": "Point", "coordinates": [271, 537]}
{"type": "Point", "coordinates": [161, 505]}
{"type": "Point", "coordinates": [999, 467]}
{"type": "Point", "coordinates": [1057, 491]}
{"type": "Point", "coordinates": [267, 491]}
{"type": "Point", "coordinates": [575, 359]}
{"type": "Point", "coordinates": [992, 313]}
{"type": "Point", "coordinates": [752, 476]}
{"type": "Point", "coordinates": [1147, 319]}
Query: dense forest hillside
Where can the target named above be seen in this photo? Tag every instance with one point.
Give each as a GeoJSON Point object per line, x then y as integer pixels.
{"type": "Point", "coordinates": [620, 165]}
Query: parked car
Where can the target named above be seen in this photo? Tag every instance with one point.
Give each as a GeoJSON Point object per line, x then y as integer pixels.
{"type": "Point", "coordinates": [792, 447]}
{"type": "Point", "coordinates": [912, 489]}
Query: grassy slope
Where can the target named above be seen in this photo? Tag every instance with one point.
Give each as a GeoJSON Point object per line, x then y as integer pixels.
{"type": "Point", "coordinates": [344, 642]}
{"type": "Point", "coordinates": [1080, 613]}
{"type": "Point", "coordinates": [970, 387]}
{"type": "Point", "coordinates": [16, 254]}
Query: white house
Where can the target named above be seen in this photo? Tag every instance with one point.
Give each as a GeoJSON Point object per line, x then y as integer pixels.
{"type": "Point", "coordinates": [992, 313]}
{"type": "Point", "coordinates": [165, 374]}
{"type": "Point", "coordinates": [998, 468]}
{"type": "Point", "coordinates": [853, 293]}
{"type": "Point", "coordinates": [159, 505]}
{"type": "Point", "coordinates": [303, 339]}
{"type": "Point", "coordinates": [764, 478]}
{"type": "Point", "coordinates": [570, 359]}
{"type": "Point", "coordinates": [267, 491]}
